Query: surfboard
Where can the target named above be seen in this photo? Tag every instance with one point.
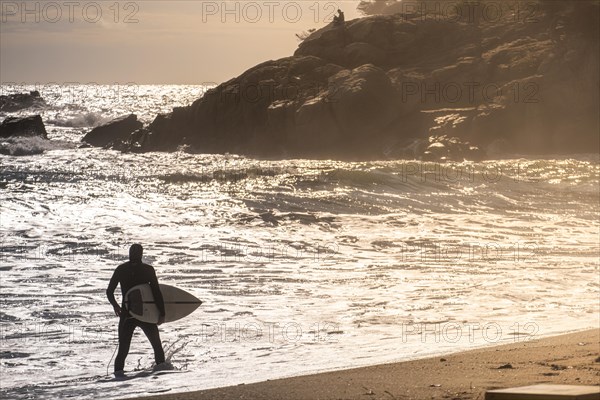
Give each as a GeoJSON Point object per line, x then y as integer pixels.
{"type": "Point", "coordinates": [139, 301]}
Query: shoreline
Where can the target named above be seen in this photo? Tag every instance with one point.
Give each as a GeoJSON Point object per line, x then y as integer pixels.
{"type": "Point", "coordinates": [571, 359]}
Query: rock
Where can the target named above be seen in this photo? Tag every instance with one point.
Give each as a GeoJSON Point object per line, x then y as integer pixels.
{"type": "Point", "coordinates": [360, 53]}
{"type": "Point", "coordinates": [252, 114]}
{"type": "Point", "coordinates": [327, 43]}
{"type": "Point", "coordinates": [20, 101]}
{"type": "Point", "coordinates": [557, 367]}
{"type": "Point", "coordinates": [115, 130]}
{"type": "Point", "coordinates": [315, 128]}
{"type": "Point", "coordinates": [363, 103]}
{"type": "Point", "coordinates": [377, 31]}
{"type": "Point", "coordinates": [137, 142]}
{"type": "Point", "coordinates": [358, 42]}
{"type": "Point", "coordinates": [25, 126]}
{"type": "Point", "coordinates": [506, 366]}
{"type": "Point", "coordinates": [407, 84]}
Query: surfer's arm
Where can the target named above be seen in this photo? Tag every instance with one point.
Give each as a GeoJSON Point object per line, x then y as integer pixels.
{"type": "Point", "coordinates": [110, 291]}
{"type": "Point", "coordinates": [158, 298]}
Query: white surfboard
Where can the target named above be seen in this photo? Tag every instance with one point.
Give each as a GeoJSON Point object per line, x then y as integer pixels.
{"type": "Point", "coordinates": [139, 301]}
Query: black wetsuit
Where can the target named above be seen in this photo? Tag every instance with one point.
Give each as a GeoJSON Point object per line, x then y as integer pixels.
{"type": "Point", "coordinates": [131, 274]}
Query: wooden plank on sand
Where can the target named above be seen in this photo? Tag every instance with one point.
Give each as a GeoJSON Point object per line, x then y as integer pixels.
{"type": "Point", "coordinates": [545, 392]}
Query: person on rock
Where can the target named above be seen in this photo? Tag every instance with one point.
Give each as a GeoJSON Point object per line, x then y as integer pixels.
{"type": "Point", "coordinates": [340, 18]}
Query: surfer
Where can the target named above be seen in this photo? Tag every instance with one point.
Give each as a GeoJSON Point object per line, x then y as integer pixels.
{"type": "Point", "coordinates": [132, 273]}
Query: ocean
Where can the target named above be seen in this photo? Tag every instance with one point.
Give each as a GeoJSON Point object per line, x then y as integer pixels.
{"type": "Point", "coordinates": [303, 265]}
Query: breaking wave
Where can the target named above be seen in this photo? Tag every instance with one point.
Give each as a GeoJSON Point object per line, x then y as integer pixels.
{"type": "Point", "coordinates": [28, 146]}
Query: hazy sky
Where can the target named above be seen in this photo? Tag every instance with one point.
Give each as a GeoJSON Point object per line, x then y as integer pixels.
{"type": "Point", "coordinates": [150, 41]}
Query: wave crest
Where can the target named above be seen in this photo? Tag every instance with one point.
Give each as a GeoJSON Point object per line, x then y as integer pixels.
{"type": "Point", "coordinates": [27, 146]}
{"type": "Point", "coordinates": [90, 119]}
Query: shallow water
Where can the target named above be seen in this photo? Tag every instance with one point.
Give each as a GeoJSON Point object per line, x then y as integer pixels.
{"type": "Point", "coordinates": [302, 265]}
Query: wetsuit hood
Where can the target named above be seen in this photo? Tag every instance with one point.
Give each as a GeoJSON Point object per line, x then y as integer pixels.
{"type": "Point", "coordinates": [135, 252]}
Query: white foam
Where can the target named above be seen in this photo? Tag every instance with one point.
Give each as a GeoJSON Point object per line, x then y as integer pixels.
{"type": "Point", "coordinates": [30, 145]}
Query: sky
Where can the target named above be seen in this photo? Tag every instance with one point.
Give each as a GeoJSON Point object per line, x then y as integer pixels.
{"type": "Point", "coordinates": [151, 41]}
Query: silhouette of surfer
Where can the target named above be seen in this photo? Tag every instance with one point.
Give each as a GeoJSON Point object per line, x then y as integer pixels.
{"type": "Point", "coordinates": [340, 18]}
{"type": "Point", "coordinates": [130, 274]}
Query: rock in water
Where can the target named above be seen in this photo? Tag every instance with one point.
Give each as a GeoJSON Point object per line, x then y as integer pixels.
{"type": "Point", "coordinates": [25, 126]}
{"type": "Point", "coordinates": [20, 101]}
{"type": "Point", "coordinates": [119, 129]}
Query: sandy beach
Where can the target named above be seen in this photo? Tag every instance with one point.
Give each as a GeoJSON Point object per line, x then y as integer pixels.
{"type": "Point", "coordinates": [567, 359]}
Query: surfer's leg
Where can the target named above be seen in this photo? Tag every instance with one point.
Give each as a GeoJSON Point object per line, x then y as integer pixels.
{"type": "Point", "coordinates": [151, 331]}
{"type": "Point", "coordinates": [126, 328]}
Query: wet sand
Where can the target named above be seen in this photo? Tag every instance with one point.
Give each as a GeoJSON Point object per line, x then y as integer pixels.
{"type": "Point", "coordinates": [567, 359]}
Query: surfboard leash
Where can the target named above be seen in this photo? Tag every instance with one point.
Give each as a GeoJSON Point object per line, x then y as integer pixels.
{"type": "Point", "coordinates": [111, 357]}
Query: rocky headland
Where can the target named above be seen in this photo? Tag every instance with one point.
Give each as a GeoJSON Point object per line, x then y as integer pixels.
{"type": "Point", "coordinates": [460, 82]}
